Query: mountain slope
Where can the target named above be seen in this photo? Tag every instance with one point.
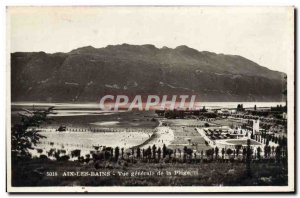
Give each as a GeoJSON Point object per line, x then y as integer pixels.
{"type": "Point", "coordinates": [85, 74]}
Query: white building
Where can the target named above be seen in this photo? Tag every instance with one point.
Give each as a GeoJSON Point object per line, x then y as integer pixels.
{"type": "Point", "coordinates": [255, 126]}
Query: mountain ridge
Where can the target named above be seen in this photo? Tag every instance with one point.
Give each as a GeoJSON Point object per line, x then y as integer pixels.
{"type": "Point", "coordinates": [86, 73]}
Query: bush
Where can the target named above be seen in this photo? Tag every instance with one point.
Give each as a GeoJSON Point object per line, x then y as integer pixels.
{"type": "Point", "coordinates": [97, 165]}
{"type": "Point", "coordinates": [39, 150]}
{"type": "Point", "coordinates": [166, 159]}
{"type": "Point", "coordinates": [43, 157]}
{"type": "Point", "coordinates": [63, 158]}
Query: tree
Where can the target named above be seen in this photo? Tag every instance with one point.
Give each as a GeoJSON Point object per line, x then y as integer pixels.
{"type": "Point", "coordinates": [244, 153]}
{"type": "Point", "coordinates": [189, 152]}
{"type": "Point", "coordinates": [229, 152]}
{"type": "Point", "coordinates": [122, 153]}
{"type": "Point", "coordinates": [206, 143]}
{"type": "Point", "coordinates": [252, 135]}
{"type": "Point", "coordinates": [26, 134]}
{"type": "Point", "coordinates": [217, 152]}
{"type": "Point", "coordinates": [233, 153]}
{"type": "Point", "coordinates": [117, 153]}
{"type": "Point", "coordinates": [169, 152]}
{"type": "Point", "coordinates": [285, 91]}
{"type": "Point", "coordinates": [278, 154]}
{"type": "Point", "coordinates": [148, 152]}
{"type": "Point", "coordinates": [210, 153]}
{"type": "Point", "coordinates": [275, 140]}
{"type": "Point", "coordinates": [164, 151]}
{"type": "Point", "coordinates": [266, 151]}
{"type": "Point", "coordinates": [74, 153]}
{"type": "Point", "coordinates": [184, 153]}
{"type": "Point", "coordinates": [238, 148]}
{"type": "Point", "coordinates": [269, 151]}
{"type": "Point", "coordinates": [273, 150]}
{"type": "Point", "coordinates": [223, 153]}
{"type": "Point", "coordinates": [279, 141]}
{"type": "Point", "coordinates": [174, 153]}
{"type": "Point", "coordinates": [248, 159]}
{"type": "Point", "coordinates": [143, 152]}
{"type": "Point", "coordinates": [258, 153]}
{"type": "Point", "coordinates": [132, 152]}
{"type": "Point", "coordinates": [179, 151]}
{"type": "Point", "coordinates": [240, 107]}
{"type": "Point", "coordinates": [267, 141]}
{"type": "Point", "coordinates": [159, 153]}
{"type": "Point", "coordinates": [138, 152]}
{"type": "Point", "coordinates": [154, 151]}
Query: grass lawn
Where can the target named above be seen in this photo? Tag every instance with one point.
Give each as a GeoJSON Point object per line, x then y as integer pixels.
{"type": "Point", "coordinates": [227, 122]}
{"type": "Point", "coordinates": [182, 136]}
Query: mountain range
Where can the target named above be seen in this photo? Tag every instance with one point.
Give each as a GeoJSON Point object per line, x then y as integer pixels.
{"type": "Point", "coordinates": [86, 74]}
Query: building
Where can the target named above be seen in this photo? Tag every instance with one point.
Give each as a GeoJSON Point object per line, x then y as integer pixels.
{"type": "Point", "coordinates": [255, 127]}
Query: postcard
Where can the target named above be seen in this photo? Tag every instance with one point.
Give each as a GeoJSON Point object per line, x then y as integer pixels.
{"type": "Point", "coordinates": [150, 99]}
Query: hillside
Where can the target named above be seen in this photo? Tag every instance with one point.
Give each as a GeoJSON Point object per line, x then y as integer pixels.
{"type": "Point", "coordinates": [85, 74]}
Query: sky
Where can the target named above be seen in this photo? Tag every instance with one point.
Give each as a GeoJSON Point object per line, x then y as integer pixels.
{"type": "Point", "coordinates": [261, 34]}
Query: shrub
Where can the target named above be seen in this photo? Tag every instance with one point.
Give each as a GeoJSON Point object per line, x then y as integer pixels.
{"type": "Point", "coordinates": [63, 158]}
{"type": "Point", "coordinates": [39, 150]}
{"type": "Point", "coordinates": [43, 157]}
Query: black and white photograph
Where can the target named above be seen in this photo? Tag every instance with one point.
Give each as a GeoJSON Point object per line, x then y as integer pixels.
{"type": "Point", "coordinates": [150, 99]}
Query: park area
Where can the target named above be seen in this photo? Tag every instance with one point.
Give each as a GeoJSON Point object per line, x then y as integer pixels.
{"type": "Point", "coordinates": [185, 134]}
{"type": "Point", "coordinates": [189, 137]}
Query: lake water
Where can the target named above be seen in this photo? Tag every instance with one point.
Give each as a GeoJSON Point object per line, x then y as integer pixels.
{"type": "Point", "coordinates": [96, 106]}
{"type": "Point", "coordinates": [88, 115]}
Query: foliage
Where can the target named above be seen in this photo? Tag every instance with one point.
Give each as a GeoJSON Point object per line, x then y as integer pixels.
{"type": "Point", "coordinates": [26, 134]}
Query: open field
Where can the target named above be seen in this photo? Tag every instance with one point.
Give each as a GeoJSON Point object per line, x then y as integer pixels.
{"type": "Point", "coordinates": [227, 122]}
